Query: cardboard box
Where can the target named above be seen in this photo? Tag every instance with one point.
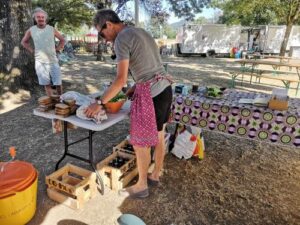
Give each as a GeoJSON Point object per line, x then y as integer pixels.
{"type": "Point", "coordinates": [277, 104]}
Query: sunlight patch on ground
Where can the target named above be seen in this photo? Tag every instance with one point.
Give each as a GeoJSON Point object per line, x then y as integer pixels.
{"type": "Point", "coordinates": [102, 209]}
{"type": "Point", "coordinates": [92, 89]}
{"type": "Point", "coordinates": [10, 101]}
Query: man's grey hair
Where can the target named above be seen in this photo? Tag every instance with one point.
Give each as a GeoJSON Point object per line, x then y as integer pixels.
{"type": "Point", "coordinates": [37, 10]}
{"type": "Point", "coordinates": [104, 15]}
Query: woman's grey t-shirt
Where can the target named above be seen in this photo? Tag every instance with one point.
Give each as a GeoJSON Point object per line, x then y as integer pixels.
{"type": "Point", "coordinates": [140, 48]}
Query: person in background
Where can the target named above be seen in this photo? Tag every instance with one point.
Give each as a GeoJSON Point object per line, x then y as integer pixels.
{"type": "Point", "coordinates": [68, 48]}
{"type": "Point", "coordinates": [136, 50]}
{"type": "Point", "coordinates": [46, 62]}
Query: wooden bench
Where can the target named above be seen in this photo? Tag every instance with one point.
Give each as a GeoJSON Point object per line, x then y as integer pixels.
{"type": "Point", "coordinates": [262, 56]}
{"type": "Point", "coordinates": [258, 74]}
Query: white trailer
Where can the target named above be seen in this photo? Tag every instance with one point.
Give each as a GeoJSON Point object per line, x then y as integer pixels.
{"type": "Point", "coordinates": [220, 39]}
{"type": "Point", "coordinates": [203, 39]}
{"type": "Point", "coordinates": [274, 37]}
{"type": "Point", "coordinates": [267, 39]}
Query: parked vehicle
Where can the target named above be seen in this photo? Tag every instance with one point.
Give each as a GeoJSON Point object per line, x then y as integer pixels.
{"type": "Point", "coordinates": [207, 39]}
{"type": "Point", "coordinates": [211, 39]}
{"type": "Point", "coordinates": [267, 39]}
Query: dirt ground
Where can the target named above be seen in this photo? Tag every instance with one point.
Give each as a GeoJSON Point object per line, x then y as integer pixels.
{"type": "Point", "coordinates": [240, 181]}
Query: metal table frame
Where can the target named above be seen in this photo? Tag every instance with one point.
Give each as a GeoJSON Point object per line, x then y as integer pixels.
{"type": "Point", "coordinates": [67, 144]}
{"type": "Point", "coordinates": [92, 128]}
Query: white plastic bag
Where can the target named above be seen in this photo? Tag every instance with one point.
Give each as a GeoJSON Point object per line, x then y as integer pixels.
{"type": "Point", "coordinates": [184, 145]}
{"type": "Point", "coordinates": [189, 142]}
{"type": "Point", "coordinates": [79, 98]}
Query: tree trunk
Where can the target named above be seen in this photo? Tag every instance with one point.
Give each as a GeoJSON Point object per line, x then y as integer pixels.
{"type": "Point", "coordinates": [16, 65]}
{"type": "Point", "coordinates": [100, 56]}
{"type": "Point", "coordinates": [102, 5]}
{"type": "Point", "coordinates": [286, 38]}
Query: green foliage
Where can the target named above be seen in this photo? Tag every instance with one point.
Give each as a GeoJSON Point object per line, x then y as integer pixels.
{"type": "Point", "coordinates": [188, 8]}
{"type": "Point", "coordinates": [182, 8]}
{"type": "Point", "coordinates": [81, 31]}
{"type": "Point", "coordinates": [154, 27]}
{"type": "Point", "coordinates": [169, 31]}
{"type": "Point", "coordinates": [119, 97]}
{"type": "Point", "coordinates": [257, 12]}
{"type": "Point", "coordinates": [201, 20]}
{"type": "Point", "coordinates": [69, 15]}
{"type": "Point", "coordinates": [157, 29]}
{"type": "Point", "coordinates": [66, 15]}
{"type": "Point", "coordinates": [214, 91]}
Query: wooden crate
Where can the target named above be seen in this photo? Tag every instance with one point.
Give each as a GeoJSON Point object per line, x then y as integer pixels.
{"type": "Point", "coordinates": [120, 147]}
{"type": "Point", "coordinates": [72, 186]}
{"type": "Point", "coordinates": [118, 178]}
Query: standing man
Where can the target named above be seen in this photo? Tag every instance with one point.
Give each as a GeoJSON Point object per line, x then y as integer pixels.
{"type": "Point", "coordinates": [46, 62]}
{"type": "Point", "coordinates": [137, 51]}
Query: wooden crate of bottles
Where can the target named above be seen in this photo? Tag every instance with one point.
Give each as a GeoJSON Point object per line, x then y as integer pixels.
{"type": "Point", "coordinates": [118, 169]}
{"type": "Point", "coordinates": [124, 146]}
{"type": "Point", "coordinates": [71, 185]}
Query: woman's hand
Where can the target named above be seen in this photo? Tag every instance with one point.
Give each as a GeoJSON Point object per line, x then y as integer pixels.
{"type": "Point", "coordinates": [93, 110]}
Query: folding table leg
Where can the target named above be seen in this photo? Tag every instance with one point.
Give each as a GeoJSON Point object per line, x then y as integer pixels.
{"type": "Point", "coordinates": [91, 157]}
{"type": "Point", "coordinates": [66, 144]}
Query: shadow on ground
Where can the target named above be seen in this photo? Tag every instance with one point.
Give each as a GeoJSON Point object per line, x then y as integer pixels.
{"type": "Point", "coordinates": [239, 182]}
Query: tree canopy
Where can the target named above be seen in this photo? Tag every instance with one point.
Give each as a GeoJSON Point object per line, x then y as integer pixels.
{"type": "Point", "coordinates": [66, 14]}
{"type": "Point", "coordinates": [188, 8]}
{"type": "Point", "coordinates": [261, 12]}
{"type": "Point", "coordinates": [71, 14]}
{"type": "Point", "coordinates": [257, 12]}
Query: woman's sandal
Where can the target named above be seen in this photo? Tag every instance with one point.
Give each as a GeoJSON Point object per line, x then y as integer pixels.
{"type": "Point", "coordinates": [134, 195]}
{"type": "Point", "coordinates": [152, 183]}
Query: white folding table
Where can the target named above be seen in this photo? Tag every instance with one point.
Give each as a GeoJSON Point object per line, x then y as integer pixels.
{"type": "Point", "coordinates": [91, 126]}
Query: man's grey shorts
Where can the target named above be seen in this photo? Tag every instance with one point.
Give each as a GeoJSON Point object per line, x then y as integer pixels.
{"type": "Point", "coordinates": [48, 73]}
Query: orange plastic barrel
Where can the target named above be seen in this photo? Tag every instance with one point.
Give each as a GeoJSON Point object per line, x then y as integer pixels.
{"type": "Point", "coordinates": [18, 192]}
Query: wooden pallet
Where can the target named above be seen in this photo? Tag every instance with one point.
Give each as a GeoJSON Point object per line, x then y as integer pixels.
{"type": "Point", "coordinates": [118, 178]}
{"type": "Point", "coordinates": [72, 186]}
